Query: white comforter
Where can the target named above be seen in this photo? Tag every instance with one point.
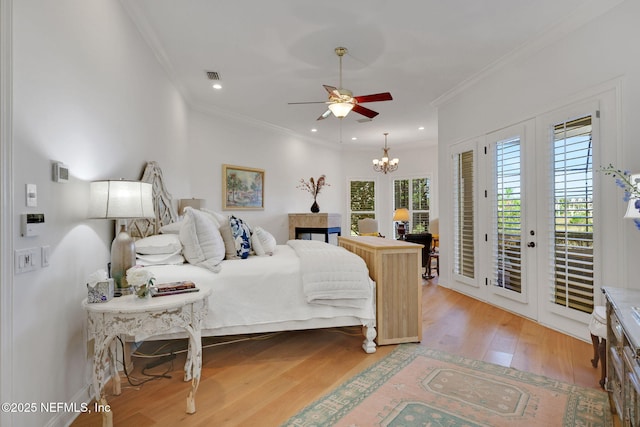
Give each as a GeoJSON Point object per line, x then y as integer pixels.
{"type": "Point", "coordinates": [331, 275]}
{"type": "Point", "coordinates": [260, 291]}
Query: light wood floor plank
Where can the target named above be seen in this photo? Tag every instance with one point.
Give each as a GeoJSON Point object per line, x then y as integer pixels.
{"type": "Point", "coordinates": [264, 382]}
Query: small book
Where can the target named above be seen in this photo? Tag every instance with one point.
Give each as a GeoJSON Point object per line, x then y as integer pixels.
{"type": "Point", "coordinates": [174, 288]}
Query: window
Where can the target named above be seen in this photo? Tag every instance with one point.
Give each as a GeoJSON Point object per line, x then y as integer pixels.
{"type": "Point", "coordinates": [572, 254]}
{"type": "Point", "coordinates": [413, 194]}
{"type": "Point", "coordinates": [464, 214]}
{"type": "Point", "coordinates": [362, 197]}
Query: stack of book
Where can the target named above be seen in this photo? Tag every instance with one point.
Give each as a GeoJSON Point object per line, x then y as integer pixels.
{"type": "Point", "coordinates": [174, 288]}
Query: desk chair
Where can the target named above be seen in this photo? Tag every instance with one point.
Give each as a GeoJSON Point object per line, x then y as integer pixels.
{"type": "Point", "coordinates": [424, 239]}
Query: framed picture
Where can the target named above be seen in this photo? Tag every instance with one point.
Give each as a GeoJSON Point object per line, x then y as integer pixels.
{"type": "Point", "coordinates": [242, 188]}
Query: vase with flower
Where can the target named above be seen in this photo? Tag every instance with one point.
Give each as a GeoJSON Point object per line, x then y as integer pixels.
{"type": "Point", "coordinates": [630, 183]}
{"type": "Point", "coordinates": [142, 281]}
{"type": "Point", "coordinates": [313, 187]}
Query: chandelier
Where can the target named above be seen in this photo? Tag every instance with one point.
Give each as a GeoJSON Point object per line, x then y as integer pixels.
{"type": "Point", "coordinates": [385, 165]}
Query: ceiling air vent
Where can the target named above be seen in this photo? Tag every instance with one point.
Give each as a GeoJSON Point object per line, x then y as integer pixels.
{"type": "Point", "coordinates": [213, 75]}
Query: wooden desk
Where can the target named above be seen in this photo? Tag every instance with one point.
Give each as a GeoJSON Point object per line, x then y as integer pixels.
{"type": "Point", "coordinates": [314, 223]}
{"type": "Point", "coordinates": [396, 267]}
{"type": "Point", "coordinates": [130, 315]}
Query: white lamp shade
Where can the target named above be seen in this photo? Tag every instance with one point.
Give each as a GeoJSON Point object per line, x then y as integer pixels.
{"type": "Point", "coordinates": [340, 109]}
{"type": "Point", "coordinates": [121, 200]}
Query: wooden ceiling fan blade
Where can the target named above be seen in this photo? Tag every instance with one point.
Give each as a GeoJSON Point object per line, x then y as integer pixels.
{"type": "Point", "coordinates": [364, 111]}
{"type": "Point", "coordinates": [324, 115]}
{"type": "Point", "coordinates": [376, 97]}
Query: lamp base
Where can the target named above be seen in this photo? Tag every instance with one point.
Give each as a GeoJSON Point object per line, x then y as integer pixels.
{"type": "Point", "coordinates": [123, 257]}
{"type": "Point", "coordinates": [401, 231]}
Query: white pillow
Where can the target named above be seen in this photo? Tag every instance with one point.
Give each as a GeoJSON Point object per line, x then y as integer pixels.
{"type": "Point", "coordinates": [160, 259]}
{"type": "Point", "coordinates": [201, 240]}
{"type": "Point", "coordinates": [171, 228]}
{"type": "Point", "coordinates": [218, 217]}
{"type": "Point", "coordinates": [158, 244]}
{"type": "Point", "coordinates": [263, 242]}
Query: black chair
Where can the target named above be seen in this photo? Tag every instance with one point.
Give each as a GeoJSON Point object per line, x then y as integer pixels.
{"type": "Point", "coordinates": [426, 240]}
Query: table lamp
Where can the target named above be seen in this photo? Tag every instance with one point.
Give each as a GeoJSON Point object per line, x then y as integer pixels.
{"type": "Point", "coordinates": [121, 200]}
{"type": "Point", "coordinates": [401, 215]}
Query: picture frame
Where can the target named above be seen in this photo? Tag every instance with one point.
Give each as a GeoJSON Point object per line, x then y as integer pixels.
{"type": "Point", "coordinates": [242, 188]}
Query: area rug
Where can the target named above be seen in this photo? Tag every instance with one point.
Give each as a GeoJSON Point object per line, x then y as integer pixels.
{"type": "Point", "coordinates": [416, 386]}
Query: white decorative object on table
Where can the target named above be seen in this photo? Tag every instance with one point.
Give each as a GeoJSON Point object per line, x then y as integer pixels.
{"type": "Point", "coordinates": [142, 281]}
{"type": "Point", "coordinates": [127, 315]}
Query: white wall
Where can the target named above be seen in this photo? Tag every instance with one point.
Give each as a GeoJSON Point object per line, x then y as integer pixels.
{"type": "Point", "coordinates": [87, 92]}
{"type": "Point", "coordinates": [594, 55]}
{"type": "Point", "coordinates": [215, 140]}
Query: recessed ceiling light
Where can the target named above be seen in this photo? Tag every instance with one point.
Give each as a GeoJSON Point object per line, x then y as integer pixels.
{"type": "Point", "coordinates": [314, 130]}
{"type": "Point", "coordinates": [421, 128]}
{"type": "Point", "coordinates": [354, 138]}
{"type": "Point", "coordinates": [217, 86]}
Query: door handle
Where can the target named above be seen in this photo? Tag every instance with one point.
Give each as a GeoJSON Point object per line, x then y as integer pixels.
{"type": "Point", "coordinates": [531, 244]}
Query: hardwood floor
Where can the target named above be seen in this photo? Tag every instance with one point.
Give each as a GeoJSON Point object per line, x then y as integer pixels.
{"type": "Point", "coordinates": [264, 381]}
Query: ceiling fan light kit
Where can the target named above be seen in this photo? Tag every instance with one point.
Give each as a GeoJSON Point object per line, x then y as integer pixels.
{"type": "Point", "coordinates": [385, 165]}
{"type": "Point", "coordinates": [341, 101]}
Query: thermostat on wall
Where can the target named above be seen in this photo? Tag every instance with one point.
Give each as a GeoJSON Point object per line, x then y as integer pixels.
{"type": "Point", "coordinates": [32, 224]}
{"type": "Point", "coordinates": [60, 172]}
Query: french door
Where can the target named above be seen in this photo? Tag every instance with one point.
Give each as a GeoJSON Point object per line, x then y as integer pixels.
{"type": "Point", "coordinates": [524, 217]}
{"type": "Point", "coordinates": [511, 231]}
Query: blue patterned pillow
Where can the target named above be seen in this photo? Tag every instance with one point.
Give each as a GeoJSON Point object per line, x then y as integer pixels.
{"type": "Point", "coordinates": [241, 236]}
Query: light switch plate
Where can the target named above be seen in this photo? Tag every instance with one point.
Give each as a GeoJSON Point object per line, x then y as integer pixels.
{"type": "Point", "coordinates": [32, 195]}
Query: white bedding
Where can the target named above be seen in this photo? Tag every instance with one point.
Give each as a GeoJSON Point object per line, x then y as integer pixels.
{"type": "Point", "coordinates": [261, 294]}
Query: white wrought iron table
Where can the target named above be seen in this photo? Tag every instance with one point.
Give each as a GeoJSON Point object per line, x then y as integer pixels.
{"type": "Point", "coordinates": [130, 315]}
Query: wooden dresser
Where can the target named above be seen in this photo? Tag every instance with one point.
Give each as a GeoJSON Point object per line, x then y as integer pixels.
{"type": "Point", "coordinates": [396, 267]}
{"type": "Point", "coordinates": [623, 353]}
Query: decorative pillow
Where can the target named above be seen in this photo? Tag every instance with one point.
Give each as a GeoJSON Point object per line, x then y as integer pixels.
{"type": "Point", "coordinates": [218, 217]}
{"type": "Point", "coordinates": [158, 244]}
{"type": "Point", "coordinates": [262, 242]}
{"type": "Point", "coordinates": [160, 259]}
{"type": "Point", "coordinates": [241, 236]}
{"type": "Point", "coordinates": [172, 228]}
{"type": "Point", "coordinates": [203, 245]}
{"type": "Point", "coordinates": [229, 242]}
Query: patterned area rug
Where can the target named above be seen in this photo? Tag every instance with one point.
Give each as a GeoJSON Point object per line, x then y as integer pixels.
{"type": "Point", "coordinates": [415, 386]}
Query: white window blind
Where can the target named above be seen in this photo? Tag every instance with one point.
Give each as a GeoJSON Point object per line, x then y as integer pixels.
{"type": "Point", "coordinates": [572, 255]}
{"type": "Point", "coordinates": [463, 211]}
{"type": "Point", "coordinates": [507, 221]}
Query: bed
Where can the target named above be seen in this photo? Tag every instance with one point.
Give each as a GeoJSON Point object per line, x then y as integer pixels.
{"type": "Point", "coordinates": [294, 286]}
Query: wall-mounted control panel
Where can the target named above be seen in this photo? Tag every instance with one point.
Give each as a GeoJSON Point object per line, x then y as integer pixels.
{"type": "Point", "coordinates": [32, 224]}
{"type": "Point", "coordinates": [60, 172]}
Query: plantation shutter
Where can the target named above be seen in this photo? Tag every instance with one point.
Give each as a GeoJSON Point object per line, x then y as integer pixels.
{"type": "Point", "coordinates": [464, 257]}
{"type": "Point", "coordinates": [572, 255]}
{"type": "Point", "coordinates": [413, 194]}
{"type": "Point", "coordinates": [507, 219]}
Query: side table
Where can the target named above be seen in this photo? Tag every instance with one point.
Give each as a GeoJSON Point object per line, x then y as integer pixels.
{"type": "Point", "coordinates": [130, 315]}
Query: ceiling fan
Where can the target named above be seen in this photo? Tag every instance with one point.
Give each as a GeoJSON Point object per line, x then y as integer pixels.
{"type": "Point", "coordinates": [341, 101]}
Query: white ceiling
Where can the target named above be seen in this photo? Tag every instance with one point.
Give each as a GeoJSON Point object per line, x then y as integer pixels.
{"type": "Point", "coordinates": [270, 53]}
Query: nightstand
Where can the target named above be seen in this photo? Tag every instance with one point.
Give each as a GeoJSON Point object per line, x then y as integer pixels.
{"type": "Point", "coordinates": [133, 316]}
